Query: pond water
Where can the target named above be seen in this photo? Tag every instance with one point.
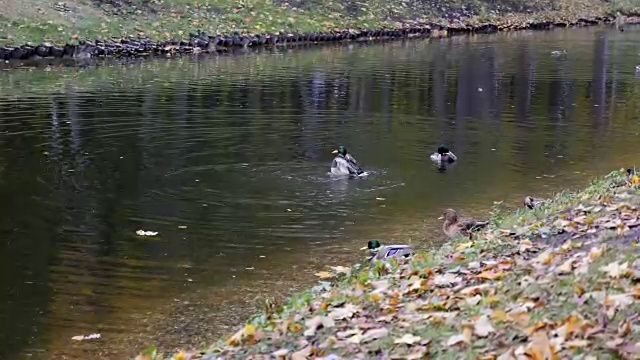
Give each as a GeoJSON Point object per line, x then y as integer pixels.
{"type": "Point", "coordinates": [237, 148]}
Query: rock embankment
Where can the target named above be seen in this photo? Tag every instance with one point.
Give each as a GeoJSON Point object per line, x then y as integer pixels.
{"type": "Point", "coordinates": [204, 43]}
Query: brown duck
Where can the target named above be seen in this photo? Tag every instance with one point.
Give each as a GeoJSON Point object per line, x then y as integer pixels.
{"type": "Point", "coordinates": [532, 202]}
{"type": "Point", "coordinates": [454, 226]}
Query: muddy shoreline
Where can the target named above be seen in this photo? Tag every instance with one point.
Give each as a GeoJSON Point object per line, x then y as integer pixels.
{"type": "Point", "coordinates": [202, 43]}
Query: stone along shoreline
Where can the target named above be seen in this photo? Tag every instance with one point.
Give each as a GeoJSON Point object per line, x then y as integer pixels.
{"type": "Point", "coordinates": [204, 43]}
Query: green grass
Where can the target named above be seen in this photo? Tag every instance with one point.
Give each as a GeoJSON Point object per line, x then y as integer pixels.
{"type": "Point", "coordinates": [23, 21]}
{"type": "Point", "coordinates": [501, 293]}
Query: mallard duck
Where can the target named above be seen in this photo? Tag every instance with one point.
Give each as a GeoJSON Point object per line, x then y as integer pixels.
{"type": "Point", "coordinates": [532, 202]}
{"type": "Point", "coordinates": [443, 155]}
{"type": "Point", "coordinates": [344, 164]}
{"type": "Point", "coordinates": [454, 226]}
{"type": "Point", "coordinates": [379, 252]}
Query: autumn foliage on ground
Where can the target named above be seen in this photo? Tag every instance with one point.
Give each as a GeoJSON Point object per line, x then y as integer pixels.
{"type": "Point", "coordinates": [560, 281]}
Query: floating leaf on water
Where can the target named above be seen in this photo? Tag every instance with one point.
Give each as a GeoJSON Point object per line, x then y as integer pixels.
{"type": "Point", "coordinates": [182, 227]}
{"type": "Point", "coordinates": [146, 233]}
{"type": "Point", "coordinates": [86, 337]}
{"type": "Point", "coordinates": [380, 199]}
{"type": "Point", "coordinates": [341, 269]}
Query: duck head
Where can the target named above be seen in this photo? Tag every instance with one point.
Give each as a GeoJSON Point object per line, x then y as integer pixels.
{"type": "Point", "coordinates": [372, 245]}
{"type": "Point", "coordinates": [342, 150]}
{"type": "Point", "coordinates": [449, 216]}
{"type": "Point", "coordinates": [630, 172]}
{"type": "Point", "coordinates": [442, 149]}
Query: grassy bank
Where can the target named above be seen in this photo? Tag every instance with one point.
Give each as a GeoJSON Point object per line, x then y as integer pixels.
{"type": "Point", "coordinates": [23, 21]}
{"type": "Point", "coordinates": [559, 281]}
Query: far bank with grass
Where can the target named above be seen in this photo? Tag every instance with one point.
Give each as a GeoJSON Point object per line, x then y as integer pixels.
{"type": "Point", "coordinates": [31, 21]}
{"type": "Point", "coordinates": [559, 281]}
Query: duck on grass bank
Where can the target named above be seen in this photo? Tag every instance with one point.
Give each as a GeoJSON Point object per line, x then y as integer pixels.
{"type": "Point", "coordinates": [379, 252]}
{"type": "Point", "coordinates": [454, 226]}
{"type": "Point", "coordinates": [344, 164]}
{"type": "Point", "coordinates": [531, 202]}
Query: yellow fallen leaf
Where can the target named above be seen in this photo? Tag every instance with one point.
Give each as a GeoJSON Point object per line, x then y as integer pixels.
{"type": "Point", "coordinates": [526, 242]}
{"type": "Point", "coordinates": [545, 258]}
{"type": "Point", "coordinates": [595, 253]}
{"type": "Point", "coordinates": [499, 315]}
{"type": "Point", "coordinates": [635, 179]}
{"type": "Point", "coordinates": [464, 245]}
{"type": "Point", "coordinates": [490, 275]}
{"type": "Point", "coordinates": [465, 337]}
{"type": "Point", "coordinates": [566, 267]}
{"type": "Point", "coordinates": [324, 274]}
{"type": "Point", "coordinates": [578, 290]}
{"type": "Point", "coordinates": [180, 356]}
{"type": "Point", "coordinates": [249, 330]}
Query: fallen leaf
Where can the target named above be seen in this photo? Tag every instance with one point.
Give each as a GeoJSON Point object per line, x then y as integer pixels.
{"type": "Point", "coordinates": [490, 275]}
{"type": "Point", "coordinates": [482, 327]}
{"type": "Point", "coordinates": [545, 258]}
{"type": "Point", "coordinates": [595, 253]}
{"type": "Point", "coordinates": [303, 354]}
{"type": "Point", "coordinates": [280, 353]}
{"type": "Point", "coordinates": [324, 275]}
{"type": "Point", "coordinates": [344, 312]}
{"type": "Point", "coordinates": [446, 279]}
{"type": "Point", "coordinates": [317, 321]}
{"type": "Point", "coordinates": [464, 245]}
{"type": "Point", "coordinates": [465, 337]}
{"type": "Point", "coordinates": [146, 233]}
{"type": "Point", "coordinates": [566, 267]}
{"type": "Point", "coordinates": [474, 300]}
{"type": "Point", "coordinates": [341, 269]}
{"type": "Point", "coordinates": [374, 334]}
{"type": "Point", "coordinates": [615, 270]}
{"type": "Point", "coordinates": [408, 339]}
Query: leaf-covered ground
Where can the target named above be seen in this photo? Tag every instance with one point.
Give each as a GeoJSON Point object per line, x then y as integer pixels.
{"type": "Point", "coordinates": [561, 281]}
{"type": "Point", "coordinates": [57, 21]}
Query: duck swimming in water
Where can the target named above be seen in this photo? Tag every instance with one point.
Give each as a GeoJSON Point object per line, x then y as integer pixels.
{"type": "Point", "coordinates": [345, 164]}
{"type": "Point", "coordinates": [379, 252]}
{"type": "Point", "coordinates": [443, 156]}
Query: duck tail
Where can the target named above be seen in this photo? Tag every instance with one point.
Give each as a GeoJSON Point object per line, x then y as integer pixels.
{"type": "Point", "coordinates": [479, 225]}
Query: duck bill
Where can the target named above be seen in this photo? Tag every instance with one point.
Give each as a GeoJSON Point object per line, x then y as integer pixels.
{"type": "Point", "coordinates": [334, 152]}
{"type": "Point", "coordinates": [441, 217]}
{"type": "Point", "coordinates": [364, 248]}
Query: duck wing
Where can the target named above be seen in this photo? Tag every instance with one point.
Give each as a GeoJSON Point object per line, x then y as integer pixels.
{"type": "Point", "coordinates": [471, 224]}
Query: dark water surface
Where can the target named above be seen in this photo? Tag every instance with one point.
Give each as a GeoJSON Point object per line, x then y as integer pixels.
{"type": "Point", "coordinates": [237, 150]}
